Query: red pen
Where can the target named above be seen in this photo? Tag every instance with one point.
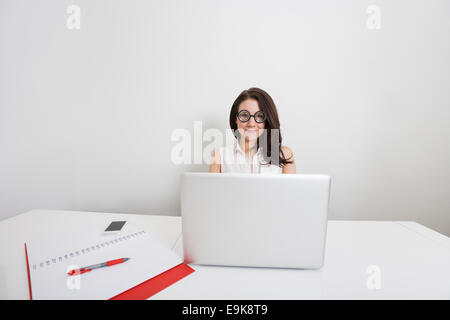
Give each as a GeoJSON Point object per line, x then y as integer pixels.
{"type": "Point", "coordinates": [96, 266]}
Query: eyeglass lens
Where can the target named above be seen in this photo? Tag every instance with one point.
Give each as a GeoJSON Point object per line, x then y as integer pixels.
{"type": "Point", "coordinates": [245, 116]}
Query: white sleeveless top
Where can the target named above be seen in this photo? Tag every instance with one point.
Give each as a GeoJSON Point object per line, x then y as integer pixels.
{"type": "Point", "coordinates": [234, 160]}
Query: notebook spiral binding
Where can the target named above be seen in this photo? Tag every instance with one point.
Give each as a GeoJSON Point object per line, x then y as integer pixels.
{"type": "Point", "coordinates": [86, 250]}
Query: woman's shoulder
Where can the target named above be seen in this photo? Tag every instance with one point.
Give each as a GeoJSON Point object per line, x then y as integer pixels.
{"type": "Point", "coordinates": [287, 152]}
{"type": "Point", "coordinates": [225, 150]}
{"type": "Point", "coordinates": [288, 167]}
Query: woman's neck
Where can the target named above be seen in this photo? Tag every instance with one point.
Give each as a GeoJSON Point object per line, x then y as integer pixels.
{"type": "Point", "coordinates": [249, 147]}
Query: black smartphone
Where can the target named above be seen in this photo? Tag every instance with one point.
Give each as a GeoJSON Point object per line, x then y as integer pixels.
{"type": "Point", "coordinates": [114, 227]}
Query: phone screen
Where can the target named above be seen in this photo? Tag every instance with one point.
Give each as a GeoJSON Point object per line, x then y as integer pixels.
{"type": "Point", "coordinates": [115, 226]}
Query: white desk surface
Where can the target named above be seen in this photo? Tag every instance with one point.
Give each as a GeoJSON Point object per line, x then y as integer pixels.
{"type": "Point", "coordinates": [413, 261]}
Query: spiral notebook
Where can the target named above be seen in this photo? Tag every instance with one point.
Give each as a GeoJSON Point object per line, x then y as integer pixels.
{"type": "Point", "coordinates": [151, 267]}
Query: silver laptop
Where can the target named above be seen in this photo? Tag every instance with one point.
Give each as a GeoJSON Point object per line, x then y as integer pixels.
{"type": "Point", "coordinates": [248, 220]}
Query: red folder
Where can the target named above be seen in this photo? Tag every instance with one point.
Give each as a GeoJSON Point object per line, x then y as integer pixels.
{"type": "Point", "coordinates": [144, 290]}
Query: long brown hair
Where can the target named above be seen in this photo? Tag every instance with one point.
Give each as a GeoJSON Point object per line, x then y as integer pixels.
{"type": "Point", "coordinates": [272, 121]}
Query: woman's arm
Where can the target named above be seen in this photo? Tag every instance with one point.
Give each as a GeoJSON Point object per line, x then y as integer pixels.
{"type": "Point", "coordinates": [288, 155]}
{"type": "Point", "coordinates": [215, 166]}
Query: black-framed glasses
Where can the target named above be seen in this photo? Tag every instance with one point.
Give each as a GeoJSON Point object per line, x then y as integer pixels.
{"type": "Point", "coordinates": [245, 116]}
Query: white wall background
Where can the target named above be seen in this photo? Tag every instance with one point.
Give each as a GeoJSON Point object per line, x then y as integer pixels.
{"type": "Point", "coordinates": [86, 115]}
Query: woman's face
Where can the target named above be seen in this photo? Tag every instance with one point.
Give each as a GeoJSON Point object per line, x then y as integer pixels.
{"type": "Point", "coordinates": [251, 129]}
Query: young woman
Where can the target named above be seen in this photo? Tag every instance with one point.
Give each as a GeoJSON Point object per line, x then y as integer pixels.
{"type": "Point", "coordinates": [257, 149]}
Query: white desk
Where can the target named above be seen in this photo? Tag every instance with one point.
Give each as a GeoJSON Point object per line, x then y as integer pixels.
{"type": "Point", "coordinates": [413, 261]}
